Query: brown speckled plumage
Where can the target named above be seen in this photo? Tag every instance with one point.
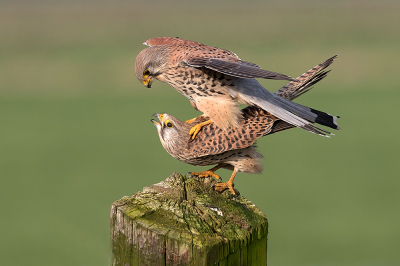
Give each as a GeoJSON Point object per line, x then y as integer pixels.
{"type": "Point", "coordinates": [216, 80]}
{"type": "Point", "coordinates": [234, 148]}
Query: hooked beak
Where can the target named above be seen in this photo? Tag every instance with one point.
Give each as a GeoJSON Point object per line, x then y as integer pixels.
{"type": "Point", "coordinates": [147, 82]}
{"type": "Point", "coordinates": [160, 118]}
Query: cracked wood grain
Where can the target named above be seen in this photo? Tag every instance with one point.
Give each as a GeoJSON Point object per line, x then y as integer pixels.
{"type": "Point", "coordinates": [171, 223]}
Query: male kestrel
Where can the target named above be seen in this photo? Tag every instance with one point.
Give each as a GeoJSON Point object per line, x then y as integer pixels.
{"type": "Point", "coordinates": [216, 80]}
{"type": "Point", "coordinates": [234, 148]}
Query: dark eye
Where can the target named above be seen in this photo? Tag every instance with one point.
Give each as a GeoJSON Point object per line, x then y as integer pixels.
{"type": "Point", "coordinates": [146, 72]}
{"type": "Point", "coordinates": [169, 124]}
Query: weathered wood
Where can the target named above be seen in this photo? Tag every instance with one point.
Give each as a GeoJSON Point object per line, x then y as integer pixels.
{"type": "Point", "coordinates": [185, 222]}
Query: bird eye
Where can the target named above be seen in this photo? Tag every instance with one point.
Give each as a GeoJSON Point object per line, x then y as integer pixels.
{"type": "Point", "coordinates": [169, 124]}
{"type": "Point", "coordinates": [146, 72]}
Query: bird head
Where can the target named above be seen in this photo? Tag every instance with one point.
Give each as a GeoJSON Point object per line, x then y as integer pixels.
{"type": "Point", "coordinates": [171, 131]}
{"type": "Point", "coordinates": [151, 63]}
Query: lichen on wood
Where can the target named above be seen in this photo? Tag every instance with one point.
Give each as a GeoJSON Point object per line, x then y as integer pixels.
{"type": "Point", "coordinates": [183, 221]}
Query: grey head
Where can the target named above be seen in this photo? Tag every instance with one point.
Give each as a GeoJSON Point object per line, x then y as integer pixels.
{"type": "Point", "coordinates": [151, 63]}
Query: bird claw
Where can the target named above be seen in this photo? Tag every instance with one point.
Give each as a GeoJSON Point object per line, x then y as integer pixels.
{"type": "Point", "coordinates": [205, 174]}
{"type": "Point", "coordinates": [190, 120]}
{"type": "Point", "coordinates": [222, 186]}
{"type": "Point", "coordinates": [195, 130]}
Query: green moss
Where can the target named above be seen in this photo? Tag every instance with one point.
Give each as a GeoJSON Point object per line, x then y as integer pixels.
{"type": "Point", "coordinates": [122, 256]}
{"type": "Point", "coordinates": [210, 227]}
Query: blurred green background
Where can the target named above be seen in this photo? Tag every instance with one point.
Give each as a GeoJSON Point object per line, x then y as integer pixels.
{"type": "Point", "coordinates": [75, 130]}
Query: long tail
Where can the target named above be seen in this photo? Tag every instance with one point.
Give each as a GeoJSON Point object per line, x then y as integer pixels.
{"type": "Point", "coordinates": [304, 83]}
{"type": "Point", "coordinates": [290, 112]}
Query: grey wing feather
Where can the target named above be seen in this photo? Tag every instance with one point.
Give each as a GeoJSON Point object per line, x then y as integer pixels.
{"type": "Point", "coordinates": [293, 90]}
{"type": "Point", "coordinates": [242, 69]}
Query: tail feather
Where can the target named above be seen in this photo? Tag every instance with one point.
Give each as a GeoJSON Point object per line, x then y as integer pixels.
{"type": "Point", "coordinates": [279, 104]}
{"type": "Point", "coordinates": [278, 126]}
{"type": "Point", "coordinates": [326, 119]}
{"type": "Point", "coordinates": [304, 82]}
{"type": "Point", "coordinates": [311, 114]}
{"type": "Point", "coordinates": [308, 86]}
{"type": "Point", "coordinates": [254, 94]}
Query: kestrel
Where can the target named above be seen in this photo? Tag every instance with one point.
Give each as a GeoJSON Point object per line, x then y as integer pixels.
{"type": "Point", "coordinates": [232, 149]}
{"type": "Point", "coordinates": [216, 81]}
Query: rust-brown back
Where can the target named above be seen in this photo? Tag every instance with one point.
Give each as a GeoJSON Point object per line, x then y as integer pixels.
{"type": "Point", "coordinates": [213, 140]}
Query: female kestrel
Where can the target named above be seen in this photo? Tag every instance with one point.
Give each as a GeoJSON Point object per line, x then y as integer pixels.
{"type": "Point", "coordinates": [232, 149]}
{"type": "Point", "coordinates": [216, 80]}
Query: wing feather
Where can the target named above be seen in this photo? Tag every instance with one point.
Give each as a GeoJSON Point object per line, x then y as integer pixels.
{"type": "Point", "coordinates": [212, 140]}
{"type": "Point", "coordinates": [240, 69]}
{"type": "Point", "coordinates": [254, 118]}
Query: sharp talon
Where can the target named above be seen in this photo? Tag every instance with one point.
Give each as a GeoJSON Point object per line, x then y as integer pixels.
{"type": "Point", "coordinates": [196, 129]}
{"type": "Point", "coordinates": [206, 174]}
{"type": "Point", "coordinates": [222, 186]}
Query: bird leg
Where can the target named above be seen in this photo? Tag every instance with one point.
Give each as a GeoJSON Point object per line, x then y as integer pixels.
{"type": "Point", "coordinates": [191, 120]}
{"type": "Point", "coordinates": [208, 173]}
{"type": "Point", "coordinates": [229, 184]}
{"type": "Point", "coordinates": [195, 129]}
{"type": "Point", "coordinates": [197, 117]}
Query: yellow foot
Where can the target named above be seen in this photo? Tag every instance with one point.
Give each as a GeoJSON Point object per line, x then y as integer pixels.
{"type": "Point", "coordinates": [196, 129]}
{"type": "Point", "coordinates": [190, 120]}
{"type": "Point", "coordinates": [206, 174]}
{"type": "Point", "coordinates": [222, 186]}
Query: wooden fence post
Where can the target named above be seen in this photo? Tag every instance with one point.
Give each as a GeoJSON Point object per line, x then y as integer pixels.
{"type": "Point", "coordinates": [183, 221]}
